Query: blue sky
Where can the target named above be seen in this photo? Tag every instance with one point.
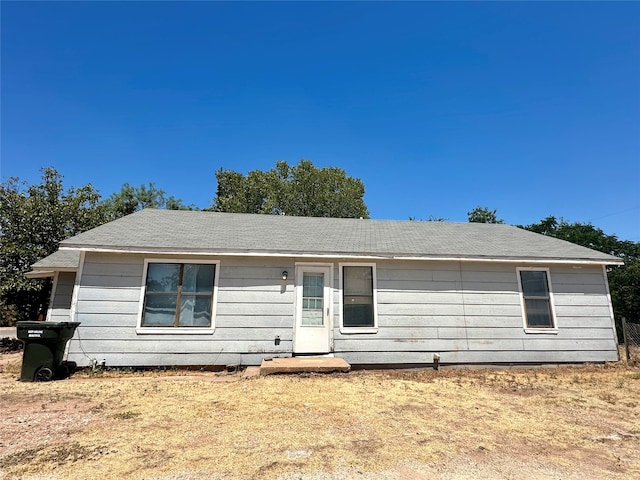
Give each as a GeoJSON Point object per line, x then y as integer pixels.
{"type": "Point", "coordinates": [532, 109]}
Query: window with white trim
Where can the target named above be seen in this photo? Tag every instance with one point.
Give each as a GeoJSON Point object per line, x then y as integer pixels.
{"type": "Point", "coordinates": [179, 295]}
{"type": "Point", "coordinates": [358, 296]}
{"type": "Point", "coordinates": [536, 298]}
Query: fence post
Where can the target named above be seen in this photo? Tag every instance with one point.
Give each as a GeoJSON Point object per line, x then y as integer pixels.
{"type": "Point", "coordinates": [626, 339]}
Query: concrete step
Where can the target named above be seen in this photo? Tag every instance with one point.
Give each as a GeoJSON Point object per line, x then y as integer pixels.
{"type": "Point", "coordinates": [304, 365]}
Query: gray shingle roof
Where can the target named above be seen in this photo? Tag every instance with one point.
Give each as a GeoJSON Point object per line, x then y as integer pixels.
{"type": "Point", "coordinates": [219, 233]}
{"type": "Point", "coordinates": [65, 259]}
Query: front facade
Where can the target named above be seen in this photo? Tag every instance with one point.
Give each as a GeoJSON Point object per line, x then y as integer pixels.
{"type": "Point", "coordinates": [185, 307]}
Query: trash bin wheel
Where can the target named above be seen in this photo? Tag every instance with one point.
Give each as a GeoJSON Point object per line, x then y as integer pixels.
{"type": "Point", "coordinates": [63, 372]}
{"type": "Point", "coordinates": [43, 374]}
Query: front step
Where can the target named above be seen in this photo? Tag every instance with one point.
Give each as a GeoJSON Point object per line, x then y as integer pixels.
{"type": "Point", "coordinates": [304, 365]}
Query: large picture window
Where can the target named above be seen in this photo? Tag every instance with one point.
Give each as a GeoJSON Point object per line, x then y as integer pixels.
{"type": "Point", "coordinates": [179, 295]}
{"type": "Point", "coordinates": [536, 298]}
{"type": "Point", "coordinates": [358, 303]}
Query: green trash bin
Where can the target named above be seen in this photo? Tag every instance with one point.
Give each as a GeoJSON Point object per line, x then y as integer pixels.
{"type": "Point", "coordinates": [44, 345]}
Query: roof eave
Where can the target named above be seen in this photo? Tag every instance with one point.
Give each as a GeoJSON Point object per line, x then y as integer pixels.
{"type": "Point", "coordinates": [337, 254]}
{"type": "Point", "coordinates": [40, 274]}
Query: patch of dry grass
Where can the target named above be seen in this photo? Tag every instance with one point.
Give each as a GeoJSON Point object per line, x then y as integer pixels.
{"type": "Point", "coordinates": [148, 426]}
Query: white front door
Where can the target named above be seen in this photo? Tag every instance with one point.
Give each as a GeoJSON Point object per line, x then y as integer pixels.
{"type": "Point", "coordinates": [313, 309]}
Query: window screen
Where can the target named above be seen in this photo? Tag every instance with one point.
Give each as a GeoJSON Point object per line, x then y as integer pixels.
{"type": "Point", "coordinates": [357, 301]}
{"type": "Point", "coordinates": [537, 301]}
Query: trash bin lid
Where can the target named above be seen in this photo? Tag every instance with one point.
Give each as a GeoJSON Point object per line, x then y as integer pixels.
{"type": "Point", "coordinates": [31, 330]}
{"type": "Point", "coordinates": [34, 324]}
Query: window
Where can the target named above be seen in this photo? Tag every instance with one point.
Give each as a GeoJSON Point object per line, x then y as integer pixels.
{"type": "Point", "coordinates": [312, 299]}
{"type": "Point", "coordinates": [536, 298]}
{"type": "Point", "coordinates": [179, 295]}
{"type": "Point", "coordinates": [358, 296]}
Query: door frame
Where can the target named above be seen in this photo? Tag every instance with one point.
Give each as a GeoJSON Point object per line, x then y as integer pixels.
{"type": "Point", "coordinates": [301, 267]}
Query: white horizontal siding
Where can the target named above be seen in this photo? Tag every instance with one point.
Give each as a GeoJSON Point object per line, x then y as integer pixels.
{"type": "Point", "coordinates": [254, 306]}
{"type": "Point", "coordinates": [109, 294]}
{"type": "Point", "coordinates": [582, 311]}
{"type": "Point", "coordinates": [466, 312]}
{"type": "Point", "coordinates": [60, 308]}
{"type": "Point", "coordinates": [111, 281]}
{"type": "Point", "coordinates": [253, 321]}
{"type": "Point", "coordinates": [570, 300]}
{"type": "Point", "coordinates": [584, 276]}
{"type": "Point", "coordinates": [127, 334]}
{"type": "Point", "coordinates": [153, 359]}
{"type": "Point", "coordinates": [392, 309]}
{"type": "Point", "coordinates": [497, 356]}
{"type": "Point", "coordinates": [109, 307]}
{"type": "Point", "coordinates": [396, 333]}
{"type": "Point", "coordinates": [495, 345]}
{"type": "Point", "coordinates": [254, 310]}
{"type": "Point", "coordinates": [494, 321]}
{"type": "Point", "coordinates": [190, 345]}
{"type": "Point", "coordinates": [239, 295]}
{"type": "Point", "coordinates": [417, 297]}
{"type": "Point", "coordinates": [400, 345]}
{"type": "Point", "coordinates": [547, 344]}
{"type": "Point", "coordinates": [472, 313]}
{"type": "Point", "coordinates": [107, 319]}
{"type": "Point", "coordinates": [145, 359]}
{"type": "Point", "coordinates": [115, 269]}
{"type": "Point", "coordinates": [584, 322]}
{"type": "Point", "coordinates": [398, 321]}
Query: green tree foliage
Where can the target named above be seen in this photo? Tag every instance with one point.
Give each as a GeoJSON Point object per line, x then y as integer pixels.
{"type": "Point", "coordinates": [483, 215]}
{"type": "Point", "coordinates": [624, 281]}
{"type": "Point", "coordinates": [432, 218]}
{"type": "Point", "coordinates": [300, 190]}
{"type": "Point", "coordinates": [33, 221]}
{"type": "Point", "coordinates": [130, 199]}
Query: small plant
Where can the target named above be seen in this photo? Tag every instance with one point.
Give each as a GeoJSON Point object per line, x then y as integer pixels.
{"type": "Point", "coordinates": [608, 397]}
{"type": "Point", "coordinates": [125, 415]}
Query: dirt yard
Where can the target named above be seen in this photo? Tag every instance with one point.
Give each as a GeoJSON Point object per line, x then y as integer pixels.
{"type": "Point", "coordinates": [553, 423]}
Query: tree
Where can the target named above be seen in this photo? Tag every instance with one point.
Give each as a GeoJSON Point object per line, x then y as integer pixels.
{"type": "Point", "coordinates": [131, 199]}
{"type": "Point", "coordinates": [586, 235]}
{"type": "Point", "coordinates": [624, 281]}
{"type": "Point", "coordinates": [33, 221]}
{"type": "Point", "coordinates": [300, 190]}
{"type": "Point", "coordinates": [431, 218]}
{"type": "Point", "coordinates": [483, 215]}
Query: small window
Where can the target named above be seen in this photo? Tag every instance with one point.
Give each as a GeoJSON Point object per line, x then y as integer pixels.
{"type": "Point", "coordinates": [179, 295]}
{"type": "Point", "coordinates": [536, 298]}
{"type": "Point", "coordinates": [312, 299]}
{"type": "Point", "coordinates": [357, 297]}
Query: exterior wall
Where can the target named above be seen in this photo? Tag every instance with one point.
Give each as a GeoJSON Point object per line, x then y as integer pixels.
{"type": "Point", "coordinates": [60, 307]}
{"type": "Point", "coordinates": [252, 309]}
{"type": "Point", "coordinates": [467, 312]}
{"type": "Point", "coordinates": [471, 313]}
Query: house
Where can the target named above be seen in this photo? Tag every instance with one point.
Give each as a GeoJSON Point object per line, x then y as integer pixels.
{"type": "Point", "coordinates": [168, 288]}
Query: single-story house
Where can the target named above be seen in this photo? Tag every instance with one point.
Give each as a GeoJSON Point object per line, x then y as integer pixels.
{"type": "Point", "coordinates": [164, 288]}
